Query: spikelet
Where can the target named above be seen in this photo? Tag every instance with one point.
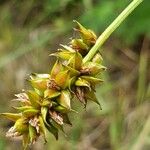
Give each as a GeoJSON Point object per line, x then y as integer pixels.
{"type": "Point", "coordinates": [46, 107]}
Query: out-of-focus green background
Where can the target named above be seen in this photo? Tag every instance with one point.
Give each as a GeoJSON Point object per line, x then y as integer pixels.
{"type": "Point", "coordinates": [32, 29]}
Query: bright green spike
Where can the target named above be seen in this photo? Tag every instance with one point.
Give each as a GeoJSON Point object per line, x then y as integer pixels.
{"type": "Point", "coordinates": [79, 46]}
{"type": "Point", "coordinates": [97, 58]}
{"type": "Point", "coordinates": [40, 84]}
{"type": "Point", "coordinates": [63, 54]}
{"type": "Point", "coordinates": [87, 35]}
{"type": "Point", "coordinates": [23, 108]}
{"type": "Point", "coordinates": [39, 92]}
{"type": "Point", "coordinates": [71, 83]}
{"type": "Point", "coordinates": [21, 126]}
{"type": "Point", "coordinates": [39, 81]}
{"type": "Point", "coordinates": [75, 61]}
{"type": "Point", "coordinates": [93, 68]}
{"type": "Point", "coordinates": [46, 103]}
{"type": "Point", "coordinates": [72, 71]}
{"type": "Point", "coordinates": [68, 48]}
{"type": "Point", "coordinates": [44, 112]}
{"type": "Point", "coordinates": [34, 98]}
{"type": "Point", "coordinates": [50, 93]}
{"type": "Point", "coordinates": [37, 76]}
{"type": "Point", "coordinates": [62, 79]}
{"type": "Point", "coordinates": [82, 82]}
{"type": "Point", "coordinates": [32, 134]}
{"type": "Point", "coordinates": [30, 112]}
{"type": "Point", "coordinates": [56, 69]}
{"type": "Point", "coordinates": [61, 109]}
{"type": "Point", "coordinates": [11, 116]}
{"type": "Point", "coordinates": [42, 127]}
{"type": "Point", "coordinates": [91, 79]}
{"type": "Point", "coordinates": [64, 99]}
{"type": "Point", "coordinates": [52, 129]}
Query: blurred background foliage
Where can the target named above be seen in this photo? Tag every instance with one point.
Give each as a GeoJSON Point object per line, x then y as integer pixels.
{"type": "Point", "coordinates": [32, 29]}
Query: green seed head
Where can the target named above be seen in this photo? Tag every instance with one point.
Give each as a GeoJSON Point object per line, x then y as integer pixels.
{"type": "Point", "coordinates": [46, 107]}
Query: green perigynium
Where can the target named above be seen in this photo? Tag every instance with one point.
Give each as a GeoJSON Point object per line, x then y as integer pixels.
{"type": "Point", "coordinates": [74, 75]}
{"type": "Point", "coordinates": [46, 107]}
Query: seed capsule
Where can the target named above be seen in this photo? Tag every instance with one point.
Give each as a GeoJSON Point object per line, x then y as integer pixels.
{"type": "Point", "coordinates": [75, 61]}
{"type": "Point", "coordinates": [44, 111]}
{"type": "Point", "coordinates": [11, 116]}
{"type": "Point", "coordinates": [32, 134]}
{"type": "Point", "coordinates": [46, 107]}
{"type": "Point", "coordinates": [50, 93]}
{"type": "Point", "coordinates": [79, 46]}
{"type": "Point", "coordinates": [34, 98]}
{"type": "Point", "coordinates": [62, 79]}
{"type": "Point", "coordinates": [97, 58]}
{"type": "Point", "coordinates": [62, 109]}
{"type": "Point", "coordinates": [93, 68]}
{"type": "Point", "coordinates": [63, 54]}
{"type": "Point", "coordinates": [87, 35]}
{"type": "Point", "coordinates": [39, 81]}
{"type": "Point", "coordinates": [91, 79]}
{"type": "Point", "coordinates": [68, 48]}
{"type": "Point", "coordinates": [30, 112]}
{"type": "Point", "coordinates": [56, 69]}
{"type": "Point", "coordinates": [64, 99]}
{"type": "Point", "coordinates": [21, 126]}
{"type": "Point", "coordinates": [82, 83]}
{"type": "Point", "coordinates": [42, 127]}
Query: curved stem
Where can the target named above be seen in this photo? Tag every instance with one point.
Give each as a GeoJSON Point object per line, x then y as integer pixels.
{"type": "Point", "coordinates": [105, 35]}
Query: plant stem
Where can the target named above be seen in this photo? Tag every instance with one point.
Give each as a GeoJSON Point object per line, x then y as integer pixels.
{"type": "Point", "coordinates": [105, 35]}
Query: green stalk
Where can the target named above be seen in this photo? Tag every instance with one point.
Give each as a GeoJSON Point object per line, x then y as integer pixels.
{"type": "Point", "coordinates": [105, 35]}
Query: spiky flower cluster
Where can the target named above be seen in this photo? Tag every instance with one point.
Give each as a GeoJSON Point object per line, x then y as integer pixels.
{"type": "Point", "coordinates": [46, 107]}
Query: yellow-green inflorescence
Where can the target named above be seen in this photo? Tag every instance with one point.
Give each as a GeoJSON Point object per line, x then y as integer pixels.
{"type": "Point", "coordinates": [46, 107]}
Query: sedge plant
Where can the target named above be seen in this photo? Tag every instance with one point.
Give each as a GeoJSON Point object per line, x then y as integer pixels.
{"type": "Point", "coordinates": [74, 75]}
